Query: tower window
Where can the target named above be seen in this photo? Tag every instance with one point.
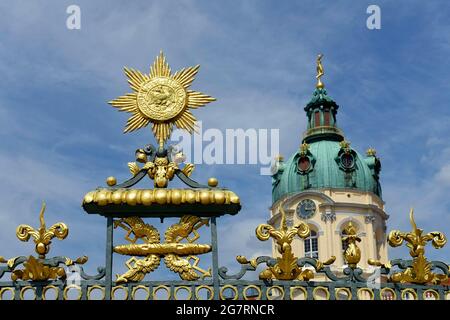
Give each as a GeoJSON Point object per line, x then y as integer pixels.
{"type": "Point", "coordinates": [326, 118]}
{"type": "Point", "coordinates": [317, 119]}
{"type": "Point", "coordinates": [311, 246]}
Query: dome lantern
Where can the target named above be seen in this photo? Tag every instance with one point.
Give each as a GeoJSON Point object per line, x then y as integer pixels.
{"type": "Point", "coordinates": [325, 159]}
{"type": "Point", "coordinates": [321, 111]}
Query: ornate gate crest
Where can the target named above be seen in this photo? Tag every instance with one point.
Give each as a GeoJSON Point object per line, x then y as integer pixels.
{"type": "Point", "coordinates": [164, 100]}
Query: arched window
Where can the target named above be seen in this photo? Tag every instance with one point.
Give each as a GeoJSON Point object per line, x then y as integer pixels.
{"type": "Point", "coordinates": [317, 119]}
{"type": "Point", "coordinates": [326, 118]}
{"type": "Point", "coordinates": [312, 246]}
{"type": "Point", "coordinates": [380, 238]}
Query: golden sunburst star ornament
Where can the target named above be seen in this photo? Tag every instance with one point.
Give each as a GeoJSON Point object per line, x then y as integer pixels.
{"type": "Point", "coordinates": [161, 98]}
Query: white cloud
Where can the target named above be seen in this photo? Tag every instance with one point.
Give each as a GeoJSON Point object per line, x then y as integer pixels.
{"type": "Point", "coordinates": [443, 175]}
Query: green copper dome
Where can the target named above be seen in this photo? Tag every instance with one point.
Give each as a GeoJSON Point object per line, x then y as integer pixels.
{"type": "Point", "coordinates": [325, 159]}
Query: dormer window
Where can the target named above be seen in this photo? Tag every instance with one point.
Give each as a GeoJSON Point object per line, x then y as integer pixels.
{"type": "Point", "coordinates": [304, 164]}
{"type": "Point", "coordinates": [347, 161]}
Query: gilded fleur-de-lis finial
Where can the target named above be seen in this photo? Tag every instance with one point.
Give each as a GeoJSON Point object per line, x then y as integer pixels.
{"type": "Point", "coordinates": [286, 266]}
{"type": "Point", "coordinates": [42, 236]}
{"type": "Point", "coordinates": [320, 72]}
{"type": "Point", "coordinates": [415, 240]}
{"type": "Point", "coordinates": [420, 271]}
{"type": "Point", "coordinates": [41, 269]}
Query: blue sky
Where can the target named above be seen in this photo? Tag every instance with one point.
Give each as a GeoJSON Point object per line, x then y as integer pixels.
{"type": "Point", "coordinates": [60, 138]}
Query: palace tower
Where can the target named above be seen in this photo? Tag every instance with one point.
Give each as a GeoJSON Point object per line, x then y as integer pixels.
{"type": "Point", "coordinates": [329, 185]}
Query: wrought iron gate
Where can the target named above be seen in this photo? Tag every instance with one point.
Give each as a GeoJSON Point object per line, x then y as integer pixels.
{"type": "Point", "coordinates": [162, 99]}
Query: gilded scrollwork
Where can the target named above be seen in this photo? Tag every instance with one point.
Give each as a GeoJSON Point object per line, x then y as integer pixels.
{"type": "Point", "coordinates": [177, 254]}
{"type": "Point", "coordinates": [37, 271]}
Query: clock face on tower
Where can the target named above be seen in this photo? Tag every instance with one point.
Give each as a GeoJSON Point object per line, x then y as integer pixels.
{"type": "Point", "coordinates": [306, 209]}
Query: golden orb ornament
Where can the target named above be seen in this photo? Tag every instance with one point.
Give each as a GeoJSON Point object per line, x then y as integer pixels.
{"type": "Point", "coordinates": [141, 156]}
{"type": "Point", "coordinates": [111, 181]}
{"type": "Point", "coordinates": [41, 248]}
{"type": "Point", "coordinates": [213, 182]}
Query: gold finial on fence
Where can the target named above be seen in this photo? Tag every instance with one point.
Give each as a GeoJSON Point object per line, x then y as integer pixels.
{"type": "Point", "coordinates": [286, 267]}
{"type": "Point", "coordinates": [420, 270]}
{"type": "Point", "coordinates": [41, 269]}
{"type": "Point", "coordinates": [42, 236]}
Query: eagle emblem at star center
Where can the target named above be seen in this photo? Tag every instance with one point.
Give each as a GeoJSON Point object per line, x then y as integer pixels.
{"type": "Point", "coordinates": [161, 99]}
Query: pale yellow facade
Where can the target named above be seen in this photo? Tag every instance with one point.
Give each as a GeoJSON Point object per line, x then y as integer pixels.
{"type": "Point", "coordinates": [335, 208]}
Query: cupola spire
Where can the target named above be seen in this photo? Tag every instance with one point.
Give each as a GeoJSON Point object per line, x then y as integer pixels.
{"type": "Point", "coordinates": [321, 111]}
